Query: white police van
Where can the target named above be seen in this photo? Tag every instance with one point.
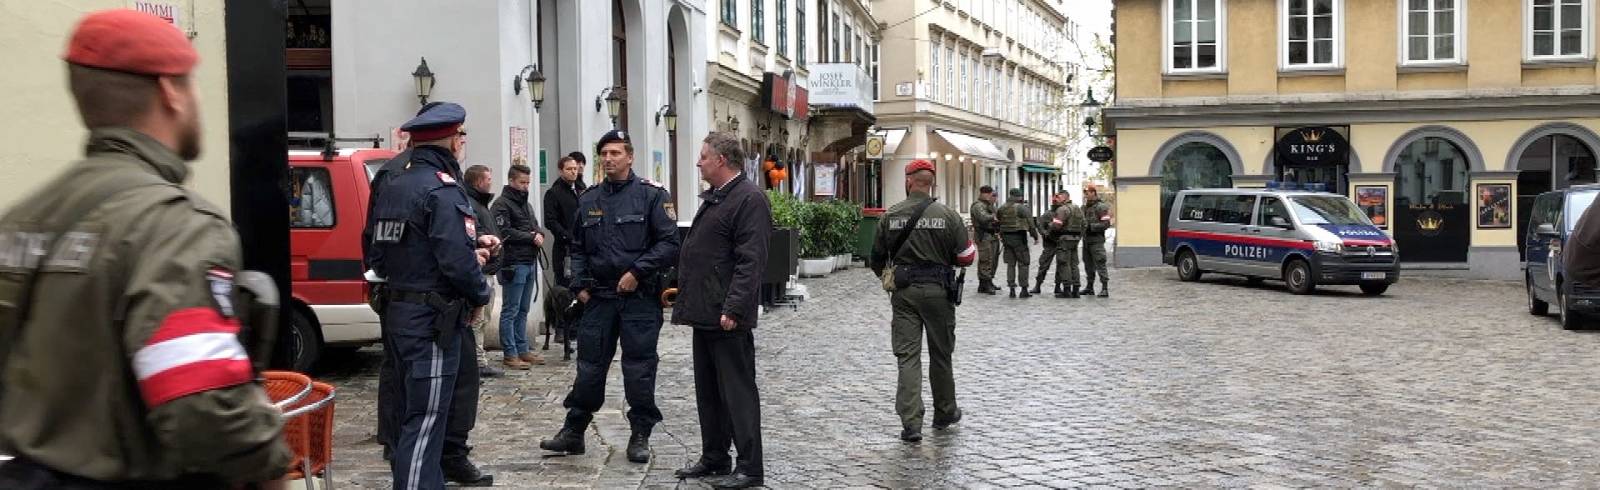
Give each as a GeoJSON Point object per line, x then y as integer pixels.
{"type": "Point", "coordinates": [1306, 238]}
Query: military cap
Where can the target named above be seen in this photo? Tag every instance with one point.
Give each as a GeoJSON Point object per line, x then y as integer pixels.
{"type": "Point", "coordinates": [435, 123]}
{"type": "Point", "coordinates": [1015, 192]}
{"type": "Point", "coordinates": [918, 165]}
{"type": "Point", "coordinates": [986, 190]}
{"type": "Point", "coordinates": [130, 41]}
{"type": "Point", "coordinates": [613, 136]}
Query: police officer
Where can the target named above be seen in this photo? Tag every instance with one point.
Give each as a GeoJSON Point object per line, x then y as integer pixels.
{"type": "Point", "coordinates": [425, 243]}
{"type": "Point", "coordinates": [1068, 225]}
{"type": "Point", "coordinates": [623, 242]}
{"type": "Point", "coordinates": [1097, 217]}
{"type": "Point", "coordinates": [1047, 256]}
{"type": "Point", "coordinates": [984, 228]}
{"type": "Point", "coordinates": [119, 332]}
{"type": "Point", "coordinates": [921, 240]}
{"type": "Point", "coordinates": [1016, 224]}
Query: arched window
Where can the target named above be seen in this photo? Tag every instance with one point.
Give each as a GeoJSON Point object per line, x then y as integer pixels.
{"type": "Point", "coordinates": [1430, 171]}
{"type": "Point", "coordinates": [1193, 165]}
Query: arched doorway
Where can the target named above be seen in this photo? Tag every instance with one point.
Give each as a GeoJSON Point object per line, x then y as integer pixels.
{"type": "Point", "coordinates": [619, 59]}
{"type": "Point", "coordinates": [1548, 162]}
{"type": "Point", "coordinates": [672, 104]}
{"type": "Point", "coordinates": [1192, 163]}
{"type": "Point", "coordinates": [1433, 217]}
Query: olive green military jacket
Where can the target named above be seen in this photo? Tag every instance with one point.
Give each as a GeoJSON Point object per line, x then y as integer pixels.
{"type": "Point", "coordinates": [983, 219]}
{"type": "Point", "coordinates": [1097, 218]}
{"type": "Point", "coordinates": [938, 238]}
{"type": "Point", "coordinates": [1014, 216]}
{"type": "Point", "coordinates": [1068, 223]}
{"type": "Point", "coordinates": [130, 367]}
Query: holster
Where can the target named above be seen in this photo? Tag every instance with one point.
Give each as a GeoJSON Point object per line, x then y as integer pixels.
{"type": "Point", "coordinates": [450, 317]}
{"type": "Point", "coordinates": [959, 285]}
{"type": "Point", "coordinates": [256, 306]}
{"type": "Point", "coordinates": [906, 275]}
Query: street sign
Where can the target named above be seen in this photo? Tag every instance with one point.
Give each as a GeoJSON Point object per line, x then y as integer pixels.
{"type": "Point", "coordinates": [1100, 154]}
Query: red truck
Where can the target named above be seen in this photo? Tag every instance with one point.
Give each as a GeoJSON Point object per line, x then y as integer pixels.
{"type": "Point", "coordinates": [329, 190]}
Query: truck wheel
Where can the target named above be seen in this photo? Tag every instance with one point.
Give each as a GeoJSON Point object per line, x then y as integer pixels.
{"type": "Point", "coordinates": [303, 342]}
{"type": "Point", "coordinates": [1535, 307]}
{"type": "Point", "coordinates": [1373, 288]}
{"type": "Point", "coordinates": [1188, 267]}
{"type": "Point", "coordinates": [1297, 275]}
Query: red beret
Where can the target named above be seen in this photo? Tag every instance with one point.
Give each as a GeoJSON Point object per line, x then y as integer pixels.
{"type": "Point", "coordinates": [917, 165]}
{"type": "Point", "coordinates": [132, 42]}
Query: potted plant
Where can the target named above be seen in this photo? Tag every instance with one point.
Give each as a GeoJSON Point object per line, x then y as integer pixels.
{"type": "Point", "coordinates": [816, 258]}
{"type": "Point", "coordinates": [783, 248]}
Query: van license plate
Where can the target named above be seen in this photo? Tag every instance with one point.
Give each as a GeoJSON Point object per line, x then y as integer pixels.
{"type": "Point", "coordinates": [1373, 275]}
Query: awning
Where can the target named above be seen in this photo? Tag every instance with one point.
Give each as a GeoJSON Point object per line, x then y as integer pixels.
{"type": "Point", "coordinates": [1040, 169]}
{"type": "Point", "coordinates": [891, 140]}
{"type": "Point", "coordinates": [971, 145]}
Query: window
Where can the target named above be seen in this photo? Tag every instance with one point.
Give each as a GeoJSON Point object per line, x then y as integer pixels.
{"type": "Point", "coordinates": [1325, 210]}
{"type": "Point", "coordinates": [730, 13]}
{"type": "Point", "coordinates": [822, 30]}
{"type": "Point", "coordinates": [1431, 171]}
{"type": "Point", "coordinates": [876, 53]}
{"type": "Point", "coordinates": [1272, 207]}
{"type": "Point", "coordinates": [783, 29]}
{"type": "Point", "coordinates": [1432, 31]}
{"type": "Point", "coordinates": [758, 21]}
{"type": "Point", "coordinates": [950, 73]}
{"type": "Point", "coordinates": [800, 32]}
{"type": "Point", "coordinates": [849, 45]}
{"type": "Point", "coordinates": [964, 80]}
{"type": "Point", "coordinates": [311, 205]}
{"type": "Point", "coordinates": [1558, 29]}
{"type": "Point", "coordinates": [934, 53]}
{"type": "Point", "coordinates": [833, 32]}
{"type": "Point", "coordinates": [1312, 34]}
{"type": "Point", "coordinates": [988, 88]}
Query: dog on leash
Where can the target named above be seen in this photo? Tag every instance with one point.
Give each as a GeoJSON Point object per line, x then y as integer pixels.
{"type": "Point", "coordinates": [563, 310]}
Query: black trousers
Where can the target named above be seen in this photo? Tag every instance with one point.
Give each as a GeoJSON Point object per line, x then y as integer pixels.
{"type": "Point", "coordinates": [558, 264]}
{"type": "Point", "coordinates": [725, 394]}
{"type": "Point", "coordinates": [632, 321]}
{"type": "Point", "coordinates": [463, 415]}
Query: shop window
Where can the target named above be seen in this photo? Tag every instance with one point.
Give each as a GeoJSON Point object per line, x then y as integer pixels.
{"type": "Point", "coordinates": [1557, 29]}
{"type": "Point", "coordinates": [311, 202]}
{"type": "Point", "coordinates": [1431, 171]}
{"type": "Point", "coordinates": [1313, 36]}
{"type": "Point", "coordinates": [1195, 30]}
{"type": "Point", "coordinates": [1432, 31]}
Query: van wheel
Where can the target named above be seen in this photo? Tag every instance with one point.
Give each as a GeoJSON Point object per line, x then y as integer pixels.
{"type": "Point", "coordinates": [1188, 267]}
{"type": "Point", "coordinates": [1535, 307]}
{"type": "Point", "coordinates": [1297, 275]}
{"type": "Point", "coordinates": [1570, 320]}
{"type": "Point", "coordinates": [302, 344]}
{"type": "Point", "coordinates": [1373, 288]}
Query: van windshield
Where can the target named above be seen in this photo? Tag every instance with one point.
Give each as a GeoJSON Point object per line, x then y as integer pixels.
{"type": "Point", "coordinates": [1327, 210]}
{"type": "Point", "coordinates": [1577, 203]}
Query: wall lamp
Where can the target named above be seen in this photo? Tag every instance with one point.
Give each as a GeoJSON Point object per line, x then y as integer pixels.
{"type": "Point", "coordinates": [671, 115]}
{"type": "Point", "coordinates": [535, 80]}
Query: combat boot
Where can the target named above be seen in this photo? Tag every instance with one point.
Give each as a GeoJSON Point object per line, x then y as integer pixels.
{"type": "Point", "coordinates": [1087, 292]}
{"type": "Point", "coordinates": [1014, 291]}
{"type": "Point", "coordinates": [986, 287]}
{"type": "Point", "coordinates": [1037, 285]}
{"type": "Point", "coordinates": [1105, 290]}
{"type": "Point", "coordinates": [1025, 294]}
{"type": "Point", "coordinates": [569, 441]}
{"type": "Point", "coordinates": [1073, 292]}
{"type": "Point", "coordinates": [1063, 291]}
{"type": "Point", "coordinates": [639, 446]}
{"type": "Point", "coordinates": [463, 473]}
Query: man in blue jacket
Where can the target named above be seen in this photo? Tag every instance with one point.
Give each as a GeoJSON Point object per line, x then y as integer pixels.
{"type": "Point", "coordinates": [623, 241]}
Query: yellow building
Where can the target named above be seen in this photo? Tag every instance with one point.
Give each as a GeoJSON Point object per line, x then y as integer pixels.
{"type": "Point", "coordinates": [1443, 119]}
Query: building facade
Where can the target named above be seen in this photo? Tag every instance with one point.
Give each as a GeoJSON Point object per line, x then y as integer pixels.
{"type": "Point", "coordinates": [1442, 119]}
{"type": "Point", "coordinates": [980, 87]}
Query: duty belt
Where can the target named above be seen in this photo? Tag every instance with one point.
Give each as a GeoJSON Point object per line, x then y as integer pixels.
{"type": "Point", "coordinates": [422, 298]}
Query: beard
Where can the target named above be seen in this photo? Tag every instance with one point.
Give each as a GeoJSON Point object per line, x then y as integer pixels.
{"type": "Point", "coordinates": [189, 140]}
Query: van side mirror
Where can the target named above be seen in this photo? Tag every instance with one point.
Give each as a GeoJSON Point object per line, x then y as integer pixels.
{"type": "Point", "coordinates": [1279, 222]}
{"type": "Point", "coordinates": [1547, 230]}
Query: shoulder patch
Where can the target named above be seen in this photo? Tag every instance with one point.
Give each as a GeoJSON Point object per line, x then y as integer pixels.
{"type": "Point", "coordinates": [220, 281]}
{"type": "Point", "coordinates": [653, 183]}
{"type": "Point", "coordinates": [445, 178]}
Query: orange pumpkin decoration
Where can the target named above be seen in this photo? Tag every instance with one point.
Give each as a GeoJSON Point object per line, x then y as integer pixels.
{"type": "Point", "coordinates": [767, 166]}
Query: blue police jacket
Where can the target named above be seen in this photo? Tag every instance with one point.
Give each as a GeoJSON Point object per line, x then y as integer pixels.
{"type": "Point", "coordinates": [424, 230]}
{"type": "Point", "coordinates": [622, 226]}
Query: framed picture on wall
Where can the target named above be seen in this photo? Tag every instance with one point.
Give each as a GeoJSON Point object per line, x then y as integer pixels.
{"type": "Point", "coordinates": [1494, 205]}
{"type": "Point", "coordinates": [1374, 200]}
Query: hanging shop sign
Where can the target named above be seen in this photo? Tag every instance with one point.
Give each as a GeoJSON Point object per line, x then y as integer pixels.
{"type": "Point", "coordinates": [1100, 154]}
{"type": "Point", "coordinates": [783, 96]}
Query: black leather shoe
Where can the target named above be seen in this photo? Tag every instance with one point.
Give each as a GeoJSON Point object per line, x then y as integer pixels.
{"type": "Point", "coordinates": [463, 473]}
{"type": "Point", "coordinates": [700, 470]}
{"type": "Point", "coordinates": [942, 424]}
{"type": "Point", "coordinates": [911, 434]}
{"type": "Point", "coordinates": [489, 371]}
{"type": "Point", "coordinates": [736, 480]}
{"type": "Point", "coordinates": [569, 441]}
{"type": "Point", "coordinates": [388, 453]}
{"type": "Point", "coordinates": [639, 447]}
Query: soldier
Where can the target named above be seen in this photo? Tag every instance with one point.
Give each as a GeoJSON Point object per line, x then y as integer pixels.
{"type": "Point", "coordinates": [1016, 224]}
{"type": "Point", "coordinates": [1048, 255]}
{"type": "Point", "coordinates": [1068, 225]}
{"type": "Point", "coordinates": [984, 228]}
{"type": "Point", "coordinates": [119, 340]}
{"type": "Point", "coordinates": [921, 240]}
{"type": "Point", "coordinates": [1097, 217]}
{"type": "Point", "coordinates": [623, 241]}
{"type": "Point", "coordinates": [425, 242]}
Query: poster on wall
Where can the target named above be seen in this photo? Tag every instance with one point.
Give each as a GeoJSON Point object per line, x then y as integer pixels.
{"type": "Point", "coordinates": [1374, 200]}
{"type": "Point", "coordinates": [519, 146]}
{"type": "Point", "coordinates": [823, 175]}
{"type": "Point", "coordinates": [657, 173]}
{"type": "Point", "coordinates": [1494, 205]}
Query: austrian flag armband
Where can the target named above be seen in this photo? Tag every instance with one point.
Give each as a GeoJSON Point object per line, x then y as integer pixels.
{"type": "Point", "coordinates": [967, 255]}
{"type": "Point", "coordinates": [192, 350]}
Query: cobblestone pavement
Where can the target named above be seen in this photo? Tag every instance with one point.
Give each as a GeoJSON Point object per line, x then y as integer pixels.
{"type": "Point", "coordinates": [1441, 382]}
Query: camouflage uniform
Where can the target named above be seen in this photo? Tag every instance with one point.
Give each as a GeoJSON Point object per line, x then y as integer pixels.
{"type": "Point", "coordinates": [1016, 224]}
{"type": "Point", "coordinates": [1047, 255]}
{"type": "Point", "coordinates": [984, 227]}
{"type": "Point", "coordinates": [1068, 224]}
{"type": "Point", "coordinates": [1097, 216]}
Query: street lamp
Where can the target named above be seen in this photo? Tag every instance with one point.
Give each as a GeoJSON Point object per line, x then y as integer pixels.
{"type": "Point", "coordinates": [671, 116]}
{"type": "Point", "coordinates": [425, 81]}
{"type": "Point", "coordinates": [1091, 111]}
{"type": "Point", "coordinates": [535, 80]}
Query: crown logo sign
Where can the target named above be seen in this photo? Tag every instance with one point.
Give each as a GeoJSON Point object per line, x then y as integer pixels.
{"type": "Point", "coordinates": [1430, 223]}
{"type": "Point", "coordinates": [1312, 135]}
